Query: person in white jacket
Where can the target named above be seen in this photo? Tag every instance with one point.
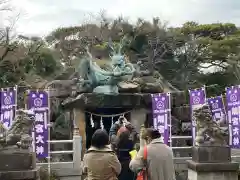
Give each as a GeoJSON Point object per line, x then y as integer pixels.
{"type": "Point", "coordinates": [159, 162]}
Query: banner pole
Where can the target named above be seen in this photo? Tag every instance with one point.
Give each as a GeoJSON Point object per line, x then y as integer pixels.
{"type": "Point", "coordinates": [16, 103]}
{"type": "Point", "coordinates": [16, 90]}
{"type": "Point", "coordinates": [48, 129]}
{"type": "Point", "coordinates": [170, 119]}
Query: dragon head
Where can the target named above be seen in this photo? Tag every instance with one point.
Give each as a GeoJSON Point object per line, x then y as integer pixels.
{"type": "Point", "coordinates": [118, 59]}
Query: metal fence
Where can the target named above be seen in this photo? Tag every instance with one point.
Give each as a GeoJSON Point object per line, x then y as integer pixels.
{"type": "Point", "coordinates": [66, 168]}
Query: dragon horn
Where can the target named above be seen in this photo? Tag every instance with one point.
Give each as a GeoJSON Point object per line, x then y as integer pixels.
{"type": "Point", "coordinates": [110, 44]}
{"type": "Point", "coordinates": [88, 53]}
{"type": "Point", "coordinates": [122, 43]}
{"type": "Point", "coordinates": [120, 46]}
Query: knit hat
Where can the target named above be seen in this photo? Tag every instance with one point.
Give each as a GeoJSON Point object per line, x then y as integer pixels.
{"type": "Point", "coordinates": [121, 129]}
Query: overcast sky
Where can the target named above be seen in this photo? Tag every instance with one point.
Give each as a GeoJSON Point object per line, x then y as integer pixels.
{"type": "Point", "coordinates": [40, 17]}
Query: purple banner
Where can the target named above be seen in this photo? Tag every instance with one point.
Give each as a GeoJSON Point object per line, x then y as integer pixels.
{"type": "Point", "coordinates": [217, 107]}
{"type": "Point", "coordinates": [197, 99]}
{"type": "Point", "coordinates": [8, 106]}
{"type": "Point", "coordinates": [161, 110]}
{"type": "Point", "coordinates": [38, 102]}
{"type": "Point", "coordinates": [233, 105]}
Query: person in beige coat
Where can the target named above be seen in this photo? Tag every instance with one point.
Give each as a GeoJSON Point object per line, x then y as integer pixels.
{"type": "Point", "coordinates": [159, 164]}
{"type": "Point", "coordinates": [100, 161]}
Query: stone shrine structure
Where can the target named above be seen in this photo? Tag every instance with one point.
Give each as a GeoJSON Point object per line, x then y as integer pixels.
{"type": "Point", "coordinates": [118, 88]}
{"type": "Point", "coordinates": [110, 87]}
{"type": "Point", "coordinates": [211, 157]}
{"type": "Point", "coordinates": [18, 162]}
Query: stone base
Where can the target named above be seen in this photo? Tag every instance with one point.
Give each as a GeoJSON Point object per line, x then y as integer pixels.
{"type": "Point", "coordinates": [17, 161]}
{"type": "Point", "coordinates": [212, 167]}
{"type": "Point", "coordinates": [193, 175]}
{"type": "Point", "coordinates": [212, 171]}
{"type": "Point", "coordinates": [211, 154]}
{"type": "Point", "coordinates": [20, 175]}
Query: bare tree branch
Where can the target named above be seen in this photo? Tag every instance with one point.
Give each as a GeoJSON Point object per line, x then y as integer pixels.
{"type": "Point", "coordinates": [4, 5]}
{"type": "Point", "coordinates": [5, 45]}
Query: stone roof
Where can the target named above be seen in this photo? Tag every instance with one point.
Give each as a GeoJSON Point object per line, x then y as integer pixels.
{"type": "Point", "coordinates": [121, 100]}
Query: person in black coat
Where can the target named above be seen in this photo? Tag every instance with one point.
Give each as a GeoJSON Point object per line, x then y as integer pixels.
{"type": "Point", "coordinates": [123, 147]}
{"type": "Point", "coordinates": [122, 122]}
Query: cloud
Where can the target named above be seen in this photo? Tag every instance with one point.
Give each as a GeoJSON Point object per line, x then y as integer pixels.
{"type": "Point", "coordinates": [42, 16]}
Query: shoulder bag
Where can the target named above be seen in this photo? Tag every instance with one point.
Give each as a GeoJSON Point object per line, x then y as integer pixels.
{"type": "Point", "coordinates": [142, 175]}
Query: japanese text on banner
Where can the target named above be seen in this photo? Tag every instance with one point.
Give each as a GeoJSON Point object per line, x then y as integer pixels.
{"type": "Point", "coordinates": [8, 106]}
{"type": "Point", "coordinates": [38, 102]}
{"type": "Point", "coordinates": [197, 98]}
{"type": "Point", "coordinates": [217, 108]}
{"type": "Point", "coordinates": [162, 114]}
{"type": "Point", "coordinates": [233, 105]}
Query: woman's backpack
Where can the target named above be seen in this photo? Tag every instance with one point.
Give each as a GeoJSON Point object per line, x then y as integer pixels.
{"type": "Point", "coordinates": [142, 175]}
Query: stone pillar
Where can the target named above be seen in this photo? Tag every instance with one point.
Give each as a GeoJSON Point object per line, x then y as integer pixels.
{"type": "Point", "coordinates": [80, 124]}
{"type": "Point", "coordinates": [77, 151]}
{"type": "Point", "coordinates": [138, 117]}
{"type": "Point", "coordinates": [18, 165]}
{"type": "Point", "coordinates": [212, 163]}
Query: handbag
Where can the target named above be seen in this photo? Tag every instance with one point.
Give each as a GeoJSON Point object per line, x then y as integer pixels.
{"type": "Point", "coordinates": [142, 175]}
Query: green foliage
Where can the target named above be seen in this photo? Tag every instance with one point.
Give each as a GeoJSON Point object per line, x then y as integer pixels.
{"type": "Point", "coordinates": [214, 31]}
{"type": "Point", "coordinates": [214, 44]}
{"type": "Point", "coordinates": [139, 42]}
{"type": "Point", "coordinates": [179, 54]}
{"type": "Point", "coordinates": [45, 65]}
{"type": "Point", "coordinates": [27, 57]}
{"type": "Point", "coordinates": [189, 49]}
